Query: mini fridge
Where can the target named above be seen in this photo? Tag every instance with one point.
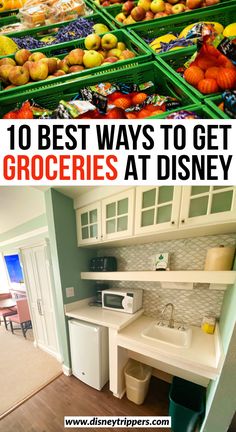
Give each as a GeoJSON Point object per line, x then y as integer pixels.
{"type": "Point", "coordinates": [89, 353]}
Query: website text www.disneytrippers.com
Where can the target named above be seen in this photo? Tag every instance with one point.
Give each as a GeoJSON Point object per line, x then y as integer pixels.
{"type": "Point", "coordinates": [117, 422]}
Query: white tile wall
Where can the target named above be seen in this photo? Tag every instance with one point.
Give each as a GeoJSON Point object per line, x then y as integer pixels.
{"type": "Point", "coordinates": [185, 254]}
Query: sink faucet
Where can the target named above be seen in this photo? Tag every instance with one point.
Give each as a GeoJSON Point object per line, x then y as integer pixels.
{"type": "Point", "coordinates": [171, 320]}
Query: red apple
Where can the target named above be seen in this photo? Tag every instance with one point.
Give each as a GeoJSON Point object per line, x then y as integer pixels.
{"type": "Point", "coordinates": [19, 75]}
{"type": "Point", "coordinates": [76, 68]}
{"type": "Point", "coordinates": [22, 56]}
{"type": "Point", "coordinates": [38, 70]}
{"type": "Point", "coordinates": [138, 13]}
{"type": "Point", "coordinates": [7, 61]}
{"type": "Point", "coordinates": [110, 60]}
{"type": "Point", "coordinates": [5, 70]}
{"type": "Point", "coordinates": [75, 57]}
{"type": "Point", "coordinates": [128, 6]}
{"type": "Point", "coordinates": [36, 56]}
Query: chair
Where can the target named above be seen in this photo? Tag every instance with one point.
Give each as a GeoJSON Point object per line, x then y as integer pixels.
{"type": "Point", "coordinates": [22, 317]}
{"type": "Point", "coordinates": [5, 312]}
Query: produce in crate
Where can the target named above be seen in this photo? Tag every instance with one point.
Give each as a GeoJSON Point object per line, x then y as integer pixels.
{"type": "Point", "coordinates": [213, 68]}
{"type": "Point", "coordinates": [6, 5]}
{"type": "Point", "coordinates": [35, 13]}
{"type": "Point", "coordinates": [77, 29]}
{"type": "Point", "coordinates": [187, 37]}
{"type": "Point", "coordinates": [109, 101]}
{"type": "Point", "coordinates": [146, 10]}
{"type": "Point", "coordinates": [7, 46]}
{"type": "Point", "coordinates": [107, 49]}
{"type": "Point", "coordinates": [105, 3]}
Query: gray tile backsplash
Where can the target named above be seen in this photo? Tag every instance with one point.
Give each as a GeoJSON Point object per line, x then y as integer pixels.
{"type": "Point", "coordinates": [185, 254]}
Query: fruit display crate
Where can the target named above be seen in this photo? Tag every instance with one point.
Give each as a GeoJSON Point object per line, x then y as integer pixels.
{"type": "Point", "coordinates": [152, 29]}
{"type": "Point", "coordinates": [213, 103]}
{"type": "Point", "coordinates": [60, 50]}
{"type": "Point", "coordinates": [202, 111]}
{"type": "Point", "coordinates": [13, 18]}
{"type": "Point", "coordinates": [8, 19]}
{"type": "Point", "coordinates": [49, 96]}
{"type": "Point", "coordinates": [9, 12]}
{"type": "Point", "coordinates": [112, 11]}
{"type": "Point", "coordinates": [51, 29]}
{"type": "Point", "coordinates": [173, 60]}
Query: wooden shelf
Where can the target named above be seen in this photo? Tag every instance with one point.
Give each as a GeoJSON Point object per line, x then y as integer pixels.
{"type": "Point", "coordinates": [211, 277]}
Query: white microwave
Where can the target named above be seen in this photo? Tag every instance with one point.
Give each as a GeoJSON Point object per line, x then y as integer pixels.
{"type": "Point", "coordinates": [129, 301]}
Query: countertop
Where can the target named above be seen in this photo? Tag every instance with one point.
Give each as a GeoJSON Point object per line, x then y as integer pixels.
{"type": "Point", "coordinates": [203, 357]}
{"type": "Point", "coordinates": [105, 317]}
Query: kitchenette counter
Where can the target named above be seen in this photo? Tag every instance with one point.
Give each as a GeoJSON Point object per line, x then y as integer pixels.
{"type": "Point", "coordinates": [104, 317]}
{"type": "Point", "coordinates": [203, 356]}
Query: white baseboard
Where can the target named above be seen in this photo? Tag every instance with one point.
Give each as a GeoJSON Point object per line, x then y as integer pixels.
{"type": "Point", "coordinates": [66, 370]}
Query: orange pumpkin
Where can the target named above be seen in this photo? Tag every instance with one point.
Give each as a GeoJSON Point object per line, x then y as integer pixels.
{"type": "Point", "coordinates": [212, 72]}
{"type": "Point", "coordinates": [206, 62]}
{"type": "Point", "coordinates": [226, 78]}
{"type": "Point", "coordinates": [208, 86]}
{"type": "Point", "coordinates": [193, 75]}
{"type": "Point", "coordinates": [139, 98]}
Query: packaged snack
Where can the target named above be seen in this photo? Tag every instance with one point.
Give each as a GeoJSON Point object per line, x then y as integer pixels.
{"type": "Point", "coordinates": [229, 101]}
{"type": "Point", "coordinates": [182, 115]}
{"type": "Point", "coordinates": [34, 14]}
{"type": "Point", "coordinates": [65, 10]}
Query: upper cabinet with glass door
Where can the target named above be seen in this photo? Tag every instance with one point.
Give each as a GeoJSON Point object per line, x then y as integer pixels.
{"type": "Point", "coordinates": [157, 208]}
{"type": "Point", "coordinates": [117, 215]}
{"type": "Point", "coordinates": [88, 221]}
{"type": "Point", "coordinates": [207, 205]}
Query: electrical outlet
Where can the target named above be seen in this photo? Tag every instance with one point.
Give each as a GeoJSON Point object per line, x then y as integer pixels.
{"type": "Point", "coordinates": [70, 292]}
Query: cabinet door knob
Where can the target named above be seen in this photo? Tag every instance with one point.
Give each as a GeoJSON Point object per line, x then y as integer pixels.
{"type": "Point", "coordinates": [183, 220]}
{"type": "Point", "coordinates": [172, 222]}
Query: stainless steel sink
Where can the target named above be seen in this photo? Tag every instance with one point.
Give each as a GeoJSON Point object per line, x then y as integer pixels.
{"type": "Point", "coordinates": [169, 336]}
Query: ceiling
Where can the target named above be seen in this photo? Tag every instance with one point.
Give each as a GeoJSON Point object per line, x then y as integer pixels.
{"type": "Point", "coordinates": [70, 191]}
{"type": "Point", "coordinates": [19, 204]}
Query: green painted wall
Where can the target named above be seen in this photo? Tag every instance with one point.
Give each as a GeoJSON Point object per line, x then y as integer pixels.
{"type": "Point", "coordinates": [221, 394]}
{"type": "Point", "coordinates": [67, 260]}
{"type": "Point", "coordinates": [31, 225]}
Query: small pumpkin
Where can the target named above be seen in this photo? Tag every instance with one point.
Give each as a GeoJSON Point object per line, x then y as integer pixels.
{"type": "Point", "coordinates": [226, 78]}
{"type": "Point", "coordinates": [208, 86]}
{"type": "Point", "coordinates": [193, 75]}
{"type": "Point", "coordinates": [212, 72]}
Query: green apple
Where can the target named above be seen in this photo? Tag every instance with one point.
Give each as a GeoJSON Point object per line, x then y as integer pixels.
{"type": "Point", "coordinates": [92, 59]}
{"type": "Point", "coordinates": [92, 42]}
{"type": "Point", "coordinates": [157, 6]}
{"type": "Point", "coordinates": [109, 41]}
{"type": "Point", "coordinates": [100, 28]}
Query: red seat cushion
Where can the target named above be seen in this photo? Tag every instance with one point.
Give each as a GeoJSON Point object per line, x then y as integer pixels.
{"type": "Point", "coordinates": [5, 311]}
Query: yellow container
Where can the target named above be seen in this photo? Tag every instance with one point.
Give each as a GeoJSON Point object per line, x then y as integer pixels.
{"type": "Point", "coordinates": [208, 324]}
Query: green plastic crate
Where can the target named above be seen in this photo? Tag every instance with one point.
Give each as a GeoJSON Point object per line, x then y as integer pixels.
{"type": "Point", "coordinates": [112, 11]}
{"type": "Point", "coordinates": [49, 96]}
{"type": "Point", "coordinates": [14, 19]}
{"type": "Point", "coordinates": [172, 60]}
{"type": "Point", "coordinates": [202, 111]}
{"type": "Point", "coordinates": [9, 19]}
{"type": "Point", "coordinates": [152, 29]}
{"type": "Point", "coordinates": [142, 55]}
{"type": "Point", "coordinates": [9, 12]}
{"type": "Point", "coordinates": [39, 32]}
{"type": "Point", "coordinates": [213, 103]}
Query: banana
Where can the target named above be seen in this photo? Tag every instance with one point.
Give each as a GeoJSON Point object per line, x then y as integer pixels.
{"type": "Point", "coordinates": [156, 43]}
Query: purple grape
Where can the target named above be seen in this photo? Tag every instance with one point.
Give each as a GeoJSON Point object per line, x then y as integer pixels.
{"type": "Point", "coordinates": [77, 29]}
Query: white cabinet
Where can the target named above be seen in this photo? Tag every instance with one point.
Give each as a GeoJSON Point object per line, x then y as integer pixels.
{"type": "Point", "coordinates": [157, 208]}
{"type": "Point", "coordinates": [108, 219]}
{"type": "Point", "coordinates": [152, 213]}
{"type": "Point", "coordinates": [39, 290]}
{"type": "Point", "coordinates": [202, 205]}
{"type": "Point", "coordinates": [89, 224]}
{"type": "Point", "coordinates": [117, 215]}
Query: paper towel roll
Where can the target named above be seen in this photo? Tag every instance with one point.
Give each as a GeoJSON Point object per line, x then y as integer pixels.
{"type": "Point", "coordinates": [220, 258]}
